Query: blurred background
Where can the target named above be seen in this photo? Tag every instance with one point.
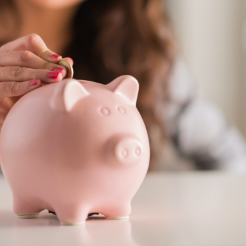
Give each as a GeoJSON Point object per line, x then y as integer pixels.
{"type": "Point", "coordinates": [212, 40]}
{"type": "Point", "coordinates": [211, 37]}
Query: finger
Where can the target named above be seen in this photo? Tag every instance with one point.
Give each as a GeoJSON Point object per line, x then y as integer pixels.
{"type": "Point", "coordinates": [12, 88]}
{"type": "Point", "coordinates": [33, 43]}
{"type": "Point", "coordinates": [28, 59]}
{"type": "Point", "coordinates": [25, 74]}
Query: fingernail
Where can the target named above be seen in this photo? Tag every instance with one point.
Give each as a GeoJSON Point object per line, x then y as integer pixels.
{"type": "Point", "coordinates": [71, 60]}
{"type": "Point", "coordinates": [34, 82]}
{"type": "Point", "coordinates": [58, 69]}
{"type": "Point", "coordinates": [53, 75]}
{"type": "Point", "coordinates": [55, 56]}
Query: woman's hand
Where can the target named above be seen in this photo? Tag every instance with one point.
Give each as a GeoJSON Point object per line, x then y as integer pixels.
{"type": "Point", "coordinates": [25, 64]}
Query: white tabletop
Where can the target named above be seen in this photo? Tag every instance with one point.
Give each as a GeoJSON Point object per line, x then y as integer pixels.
{"type": "Point", "coordinates": [173, 209]}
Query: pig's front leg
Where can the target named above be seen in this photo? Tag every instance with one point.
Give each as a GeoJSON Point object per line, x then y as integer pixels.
{"type": "Point", "coordinates": [117, 212]}
{"type": "Point", "coordinates": [71, 215]}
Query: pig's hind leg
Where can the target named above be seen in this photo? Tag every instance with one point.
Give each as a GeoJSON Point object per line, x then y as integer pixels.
{"type": "Point", "coordinates": [26, 208]}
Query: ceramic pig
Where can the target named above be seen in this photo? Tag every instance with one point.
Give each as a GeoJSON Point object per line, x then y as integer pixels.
{"type": "Point", "coordinates": [75, 148]}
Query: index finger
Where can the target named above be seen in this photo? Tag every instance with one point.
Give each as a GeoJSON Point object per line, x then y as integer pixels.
{"type": "Point", "coordinates": [33, 43]}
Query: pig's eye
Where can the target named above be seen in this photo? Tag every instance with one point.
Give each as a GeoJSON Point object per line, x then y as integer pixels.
{"type": "Point", "coordinates": [121, 109]}
{"type": "Point", "coordinates": [104, 111]}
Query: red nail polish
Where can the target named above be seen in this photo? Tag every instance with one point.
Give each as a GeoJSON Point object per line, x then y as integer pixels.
{"type": "Point", "coordinates": [34, 82]}
{"type": "Point", "coordinates": [53, 75]}
{"type": "Point", "coordinates": [58, 69]}
{"type": "Point", "coordinates": [71, 60]}
{"type": "Point", "coordinates": [55, 56]}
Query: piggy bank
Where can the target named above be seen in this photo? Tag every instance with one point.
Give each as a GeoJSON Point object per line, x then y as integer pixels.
{"type": "Point", "coordinates": [75, 148]}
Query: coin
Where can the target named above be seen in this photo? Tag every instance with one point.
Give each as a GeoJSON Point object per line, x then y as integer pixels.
{"type": "Point", "coordinates": [65, 63]}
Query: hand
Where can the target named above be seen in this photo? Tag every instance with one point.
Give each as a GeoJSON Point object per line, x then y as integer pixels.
{"type": "Point", "coordinates": [25, 64]}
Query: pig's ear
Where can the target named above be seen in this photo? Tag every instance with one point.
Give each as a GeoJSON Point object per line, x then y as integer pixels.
{"type": "Point", "coordinates": [126, 86]}
{"type": "Point", "coordinates": [67, 93]}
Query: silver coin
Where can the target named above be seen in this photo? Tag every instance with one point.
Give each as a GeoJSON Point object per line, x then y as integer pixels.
{"type": "Point", "coordinates": [68, 67]}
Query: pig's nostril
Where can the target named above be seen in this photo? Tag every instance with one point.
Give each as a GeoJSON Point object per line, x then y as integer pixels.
{"type": "Point", "coordinates": [124, 153]}
{"type": "Point", "coordinates": [127, 150]}
{"type": "Point", "coordinates": [138, 151]}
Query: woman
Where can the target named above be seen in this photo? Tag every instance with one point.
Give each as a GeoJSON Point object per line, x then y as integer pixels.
{"type": "Point", "coordinates": [108, 38]}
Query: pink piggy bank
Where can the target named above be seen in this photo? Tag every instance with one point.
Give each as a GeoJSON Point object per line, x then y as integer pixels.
{"type": "Point", "coordinates": [75, 148]}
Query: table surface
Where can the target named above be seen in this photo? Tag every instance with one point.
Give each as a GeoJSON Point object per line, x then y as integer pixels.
{"type": "Point", "coordinates": [173, 209]}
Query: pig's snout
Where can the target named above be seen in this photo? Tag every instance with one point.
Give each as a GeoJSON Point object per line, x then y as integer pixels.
{"type": "Point", "coordinates": [126, 150]}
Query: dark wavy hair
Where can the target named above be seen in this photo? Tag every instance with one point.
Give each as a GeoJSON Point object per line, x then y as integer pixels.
{"type": "Point", "coordinates": [116, 37]}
